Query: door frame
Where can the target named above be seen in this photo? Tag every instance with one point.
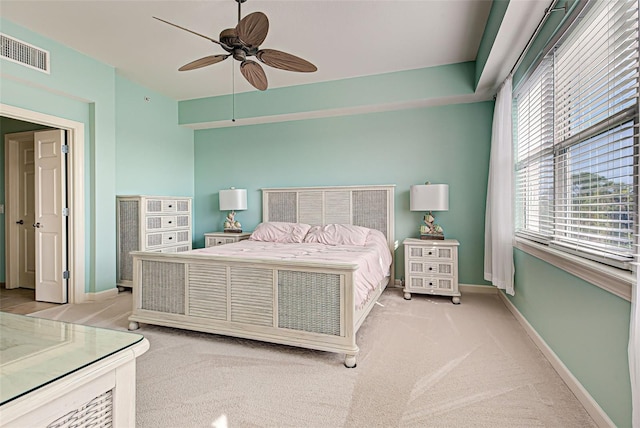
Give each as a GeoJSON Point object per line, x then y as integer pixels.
{"type": "Point", "coordinates": [75, 193]}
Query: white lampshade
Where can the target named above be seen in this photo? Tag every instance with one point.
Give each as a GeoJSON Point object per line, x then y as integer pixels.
{"type": "Point", "coordinates": [233, 199]}
{"type": "Point", "coordinates": [429, 197]}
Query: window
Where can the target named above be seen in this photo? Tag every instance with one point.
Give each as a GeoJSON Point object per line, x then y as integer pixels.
{"type": "Point", "coordinates": [576, 139]}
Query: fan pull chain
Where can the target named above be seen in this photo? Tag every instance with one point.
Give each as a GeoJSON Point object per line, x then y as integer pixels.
{"type": "Point", "coordinates": [233, 94]}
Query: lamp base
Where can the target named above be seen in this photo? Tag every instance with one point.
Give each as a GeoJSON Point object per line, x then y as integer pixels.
{"type": "Point", "coordinates": [233, 231]}
{"type": "Point", "coordinates": [432, 236]}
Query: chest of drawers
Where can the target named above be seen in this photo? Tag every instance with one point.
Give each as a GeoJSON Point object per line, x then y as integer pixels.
{"type": "Point", "coordinates": [431, 267]}
{"type": "Point", "coordinates": [150, 223]}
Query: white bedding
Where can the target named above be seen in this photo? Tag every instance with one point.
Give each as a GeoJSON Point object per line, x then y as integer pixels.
{"type": "Point", "coordinates": [373, 259]}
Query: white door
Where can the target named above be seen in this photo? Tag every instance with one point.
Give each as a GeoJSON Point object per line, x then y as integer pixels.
{"type": "Point", "coordinates": [20, 199]}
{"type": "Point", "coordinates": [50, 223]}
{"type": "Point", "coordinates": [27, 256]}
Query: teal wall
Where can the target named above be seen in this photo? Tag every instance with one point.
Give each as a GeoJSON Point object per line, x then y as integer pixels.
{"type": "Point", "coordinates": [154, 156]}
{"type": "Point", "coordinates": [446, 144]}
{"type": "Point", "coordinates": [82, 89]}
{"type": "Point", "coordinates": [587, 327]}
{"type": "Point", "coordinates": [398, 87]}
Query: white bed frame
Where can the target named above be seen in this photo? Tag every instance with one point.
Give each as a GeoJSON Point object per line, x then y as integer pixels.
{"type": "Point", "coordinates": [309, 305]}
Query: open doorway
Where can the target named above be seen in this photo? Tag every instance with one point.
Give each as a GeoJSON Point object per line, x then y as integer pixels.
{"type": "Point", "coordinates": [36, 213]}
{"type": "Point", "coordinates": [74, 253]}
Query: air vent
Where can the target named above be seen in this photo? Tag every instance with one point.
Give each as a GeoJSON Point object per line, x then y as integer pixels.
{"type": "Point", "coordinates": [24, 53]}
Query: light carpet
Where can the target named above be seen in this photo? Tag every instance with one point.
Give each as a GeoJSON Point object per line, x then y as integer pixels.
{"type": "Point", "coordinates": [422, 363]}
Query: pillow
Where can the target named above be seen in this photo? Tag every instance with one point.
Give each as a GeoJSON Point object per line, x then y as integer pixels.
{"type": "Point", "coordinates": [275, 231]}
{"type": "Point", "coordinates": [338, 234]}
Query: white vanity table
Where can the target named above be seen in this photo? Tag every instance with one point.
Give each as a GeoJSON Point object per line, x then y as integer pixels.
{"type": "Point", "coordinates": [54, 373]}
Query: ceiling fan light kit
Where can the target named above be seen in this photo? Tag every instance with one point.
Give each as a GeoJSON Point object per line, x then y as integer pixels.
{"type": "Point", "coordinates": [244, 41]}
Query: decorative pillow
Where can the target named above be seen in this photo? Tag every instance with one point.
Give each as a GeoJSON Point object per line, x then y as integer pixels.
{"type": "Point", "coordinates": [275, 231]}
{"type": "Point", "coordinates": [338, 234]}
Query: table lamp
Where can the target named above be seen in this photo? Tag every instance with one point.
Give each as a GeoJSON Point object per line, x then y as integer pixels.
{"type": "Point", "coordinates": [231, 200]}
{"type": "Point", "coordinates": [429, 197]}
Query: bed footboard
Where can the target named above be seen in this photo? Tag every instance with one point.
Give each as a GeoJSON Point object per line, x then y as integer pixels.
{"type": "Point", "coordinates": [305, 305]}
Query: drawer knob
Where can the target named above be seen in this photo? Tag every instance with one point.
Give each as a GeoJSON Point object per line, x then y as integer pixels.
{"type": "Point", "coordinates": [170, 238]}
{"type": "Point", "coordinates": [430, 268]}
{"type": "Point", "coordinates": [430, 253]}
{"type": "Point", "coordinates": [170, 222]}
{"type": "Point", "coordinates": [431, 283]}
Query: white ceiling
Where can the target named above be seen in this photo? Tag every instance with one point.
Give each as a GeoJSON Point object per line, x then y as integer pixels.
{"type": "Point", "coordinates": [343, 38]}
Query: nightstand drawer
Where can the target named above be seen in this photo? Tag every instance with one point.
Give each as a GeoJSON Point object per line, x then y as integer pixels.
{"type": "Point", "coordinates": [436, 283]}
{"type": "Point", "coordinates": [213, 239]}
{"type": "Point", "coordinates": [430, 253]}
{"type": "Point", "coordinates": [419, 267]}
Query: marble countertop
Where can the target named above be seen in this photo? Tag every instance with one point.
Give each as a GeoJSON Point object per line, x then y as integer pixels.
{"type": "Point", "coordinates": [35, 352]}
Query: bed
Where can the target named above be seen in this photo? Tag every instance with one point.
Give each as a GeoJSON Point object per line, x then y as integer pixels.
{"type": "Point", "coordinates": [307, 302]}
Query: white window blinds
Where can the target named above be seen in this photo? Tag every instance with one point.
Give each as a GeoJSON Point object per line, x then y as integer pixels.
{"type": "Point", "coordinates": [533, 126]}
{"type": "Point", "coordinates": [576, 137]}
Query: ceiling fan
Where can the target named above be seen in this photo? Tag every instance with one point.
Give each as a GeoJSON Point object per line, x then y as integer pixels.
{"type": "Point", "coordinates": [244, 41]}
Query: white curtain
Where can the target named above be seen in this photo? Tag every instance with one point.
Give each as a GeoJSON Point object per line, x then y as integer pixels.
{"type": "Point", "coordinates": [498, 229]}
{"type": "Point", "coordinates": [634, 351]}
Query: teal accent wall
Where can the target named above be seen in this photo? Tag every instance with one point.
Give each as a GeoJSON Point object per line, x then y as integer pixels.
{"type": "Point", "coordinates": [154, 156]}
{"type": "Point", "coordinates": [445, 144]}
{"type": "Point", "coordinates": [586, 326]}
{"type": "Point", "coordinates": [403, 86]}
{"type": "Point", "coordinates": [82, 89]}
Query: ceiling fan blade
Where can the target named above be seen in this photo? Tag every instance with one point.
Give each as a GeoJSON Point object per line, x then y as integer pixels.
{"type": "Point", "coordinates": [253, 72]}
{"type": "Point", "coordinates": [190, 31]}
{"type": "Point", "coordinates": [203, 62]}
{"type": "Point", "coordinates": [285, 61]}
{"type": "Point", "coordinates": [252, 29]}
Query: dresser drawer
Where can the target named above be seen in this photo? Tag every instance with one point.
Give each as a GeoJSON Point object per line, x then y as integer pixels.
{"type": "Point", "coordinates": [176, 249]}
{"type": "Point", "coordinates": [159, 222]}
{"type": "Point", "coordinates": [167, 238]}
{"type": "Point", "coordinates": [167, 206]}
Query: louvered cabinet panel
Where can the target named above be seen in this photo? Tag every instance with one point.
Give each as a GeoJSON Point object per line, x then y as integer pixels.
{"type": "Point", "coordinates": [150, 223]}
{"type": "Point", "coordinates": [431, 267]}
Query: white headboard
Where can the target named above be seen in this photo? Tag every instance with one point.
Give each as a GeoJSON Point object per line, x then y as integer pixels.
{"type": "Point", "coordinates": [368, 206]}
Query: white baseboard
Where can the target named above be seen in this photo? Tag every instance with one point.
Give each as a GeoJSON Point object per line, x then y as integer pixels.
{"type": "Point", "coordinates": [473, 288]}
{"type": "Point", "coordinates": [101, 295]}
{"type": "Point", "coordinates": [591, 406]}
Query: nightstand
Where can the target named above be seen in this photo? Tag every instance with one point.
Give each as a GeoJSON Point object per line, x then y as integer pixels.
{"type": "Point", "coordinates": [212, 239]}
{"type": "Point", "coordinates": [431, 267]}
